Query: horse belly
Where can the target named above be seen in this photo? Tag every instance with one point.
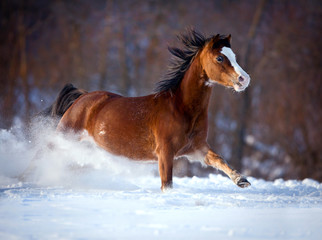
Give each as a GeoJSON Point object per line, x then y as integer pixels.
{"type": "Point", "coordinates": [124, 135]}
{"type": "Point", "coordinates": [133, 147]}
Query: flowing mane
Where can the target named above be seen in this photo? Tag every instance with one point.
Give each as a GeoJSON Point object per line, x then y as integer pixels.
{"type": "Point", "coordinates": [182, 58]}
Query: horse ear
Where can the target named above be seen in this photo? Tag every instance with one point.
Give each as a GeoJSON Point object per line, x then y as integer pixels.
{"type": "Point", "coordinates": [229, 38]}
{"type": "Point", "coordinates": [214, 41]}
{"type": "Point", "coordinates": [216, 37]}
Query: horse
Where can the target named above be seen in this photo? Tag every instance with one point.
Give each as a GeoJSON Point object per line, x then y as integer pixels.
{"type": "Point", "coordinates": [169, 123]}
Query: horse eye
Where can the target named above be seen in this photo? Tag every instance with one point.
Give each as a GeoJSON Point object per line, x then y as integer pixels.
{"type": "Point", "coordinates": [220, 59]}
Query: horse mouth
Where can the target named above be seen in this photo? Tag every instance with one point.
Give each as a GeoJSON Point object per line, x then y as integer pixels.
{"type": "Point", "coordinates": [239, 87]}
{"type": "Point", "coordinates": [239, 84]}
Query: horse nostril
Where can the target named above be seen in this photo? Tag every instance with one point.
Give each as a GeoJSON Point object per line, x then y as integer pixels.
{"type": "Point", "coordinates": [240, 79]}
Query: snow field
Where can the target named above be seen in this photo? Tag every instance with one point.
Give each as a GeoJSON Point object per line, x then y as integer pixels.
{"type": "Point", "coordinates": [77, 191]}
{"type": "Point", "coordinates": [197, 208]}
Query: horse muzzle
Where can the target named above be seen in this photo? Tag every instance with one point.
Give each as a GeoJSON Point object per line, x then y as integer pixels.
{"type": "Point", "coordinates": [242, 82]}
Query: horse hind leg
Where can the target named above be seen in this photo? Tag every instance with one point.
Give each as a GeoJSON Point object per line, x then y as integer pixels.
{"type": "Point", "coordinates": [214, 160]}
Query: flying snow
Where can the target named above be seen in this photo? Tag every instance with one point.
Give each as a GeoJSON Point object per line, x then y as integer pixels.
{"type": "Point", "coordinates": [55, 187]}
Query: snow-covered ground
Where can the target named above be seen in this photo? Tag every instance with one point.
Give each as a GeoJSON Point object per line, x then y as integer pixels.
{"type": "Point", "coordinates": [78, 191]}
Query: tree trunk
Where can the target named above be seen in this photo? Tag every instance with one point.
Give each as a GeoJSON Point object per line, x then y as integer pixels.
{"type": "Point", "coordinates": [125, 81]}
{"type": "Point", "coordinates": [103, 51]}
{"type": "Point", "coordinates": [245, 108]}
{"type": "Point", "coordinates": [23, 74]}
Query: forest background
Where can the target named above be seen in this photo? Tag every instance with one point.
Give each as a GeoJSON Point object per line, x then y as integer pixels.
{"type": "Point", "coordinates": [272, 130]}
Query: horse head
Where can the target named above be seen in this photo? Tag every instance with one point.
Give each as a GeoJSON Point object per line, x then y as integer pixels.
{"type": "Point", "coordinates": [220, 65]}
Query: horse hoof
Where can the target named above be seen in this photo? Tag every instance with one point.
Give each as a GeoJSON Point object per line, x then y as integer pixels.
{"type": "Point", "coordinates": [243, 183]}
{"type": "Point", "coordinates": [166, 187]}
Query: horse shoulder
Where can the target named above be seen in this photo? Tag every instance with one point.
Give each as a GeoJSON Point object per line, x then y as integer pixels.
{"type": "Point", "coordinates": [195, 147]}
{"type": "Point", "coordinates": [170, 128]}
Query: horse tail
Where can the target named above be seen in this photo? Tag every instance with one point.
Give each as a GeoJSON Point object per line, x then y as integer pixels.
{"type": "Point", "coordinates": [64, 100]}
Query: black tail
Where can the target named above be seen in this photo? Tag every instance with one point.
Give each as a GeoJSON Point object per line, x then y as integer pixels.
{"type": "Point", "coordinates": [64, 100]}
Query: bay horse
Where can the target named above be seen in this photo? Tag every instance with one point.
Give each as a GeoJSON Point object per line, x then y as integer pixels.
{"type": "Point", "coordinates": [170, 123]}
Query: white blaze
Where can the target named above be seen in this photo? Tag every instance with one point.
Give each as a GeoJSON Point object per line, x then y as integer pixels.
{"type": "Point", "coordinates": [232, 58]}
{"type": "Point", "coordinates": [238, 85]}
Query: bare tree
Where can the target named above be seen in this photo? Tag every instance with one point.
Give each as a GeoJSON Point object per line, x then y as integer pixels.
{"type": "Point", "coordinates": [245, 106]}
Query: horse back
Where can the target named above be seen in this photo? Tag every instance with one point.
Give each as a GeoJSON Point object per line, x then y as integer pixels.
{"type": "Point", "coordinates": [81, 113]}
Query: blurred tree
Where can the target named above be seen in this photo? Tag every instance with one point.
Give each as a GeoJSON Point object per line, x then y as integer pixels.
{"type": "Point", "coordinates": [274, 127]}
{"type": "Point", "coordinates": [245, 104]}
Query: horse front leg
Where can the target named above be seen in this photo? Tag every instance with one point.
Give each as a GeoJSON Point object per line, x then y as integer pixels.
{"type": "Point", "coordinates": [165, 169]}
{"type": "Point", "coordinates": [214, 160]}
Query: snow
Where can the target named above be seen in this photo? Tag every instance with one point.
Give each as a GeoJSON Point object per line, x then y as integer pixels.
{"type": "Point", "coordinates": [78, 191]}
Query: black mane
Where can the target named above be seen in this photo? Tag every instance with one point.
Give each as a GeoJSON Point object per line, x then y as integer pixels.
{"type": "Point", "coordinates": [182, 58]}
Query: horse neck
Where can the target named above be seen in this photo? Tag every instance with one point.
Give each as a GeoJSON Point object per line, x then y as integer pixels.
{"type": "Point", "coordinates": [193, 93]}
